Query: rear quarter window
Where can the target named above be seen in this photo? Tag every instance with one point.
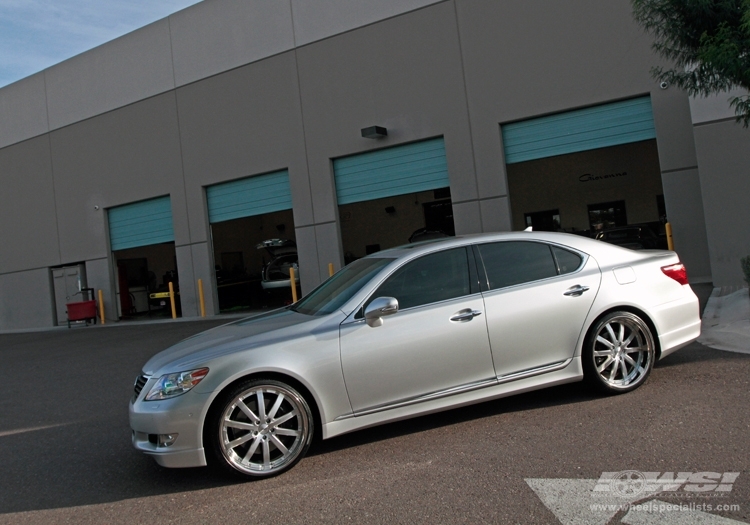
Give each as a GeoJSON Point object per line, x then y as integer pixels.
{"type": "Point", "coordinates": [516, 262]}
{"type": "Point", "coordinates": [567, 261]}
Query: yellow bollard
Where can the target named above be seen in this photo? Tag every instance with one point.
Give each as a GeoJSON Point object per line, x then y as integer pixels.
{"type": "Point", "coordinates": [200, 296]}
{"type": "Point", "coordinates": [101, 306]}
{"type": "Point", "coordinates": [330, 269]}
{"type": "Point", "coordinates": [293, 284]}
{"type": "Point", "coordinates": [670, 242]}
{"type": "Point", "coordinates": [171, 300]}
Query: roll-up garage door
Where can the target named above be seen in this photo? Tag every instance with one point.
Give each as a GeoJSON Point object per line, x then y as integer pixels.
{"type": "Point", "coordinates": [580, 130]}
{"type": "Point", "coordinates": [410, 168]}
{"type": "Point", "coordinates": [141, 224]}
{"type": "Point", "coordinates": [250, 196]}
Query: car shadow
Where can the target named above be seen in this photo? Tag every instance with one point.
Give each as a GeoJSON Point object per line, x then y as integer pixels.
{"type": "Point", "coordinates": [548, 397]}
{"type": "Point", "coordinates": [696, 352]}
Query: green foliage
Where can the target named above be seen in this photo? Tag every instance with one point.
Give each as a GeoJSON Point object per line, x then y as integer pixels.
{"type": "Point", "coordinates": [707, 40]}
{"type": "Point", "coordinates": [745, 262]}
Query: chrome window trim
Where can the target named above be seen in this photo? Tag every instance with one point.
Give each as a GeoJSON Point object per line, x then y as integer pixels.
{"type": "Point", "coordinates": [584, 260]}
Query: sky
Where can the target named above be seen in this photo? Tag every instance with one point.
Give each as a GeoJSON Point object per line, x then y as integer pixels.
{"type": "Point", "coordinates": [37, 34]}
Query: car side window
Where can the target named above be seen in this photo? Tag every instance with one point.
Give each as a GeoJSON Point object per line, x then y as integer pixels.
{"type": "Point", "coordinates": [516, 262]}
{"type": "Point", "coordinates": [432, 278]}
{"type": "Point", "coordinates": [567, 261]}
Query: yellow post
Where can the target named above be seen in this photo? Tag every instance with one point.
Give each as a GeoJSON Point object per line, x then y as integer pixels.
{"type": "Point", "coordinates": [294, 285]}
{"type": "Point", "coordinates": [171, 300]}
{"type": "Point", "coordinates": [101, 306]}
{"type": "Point", "coordinates": [670, 242]}
{"type": "Point", "coordinates": [330, 269]}
{"type": "Point", "coordinates": [200, 296]}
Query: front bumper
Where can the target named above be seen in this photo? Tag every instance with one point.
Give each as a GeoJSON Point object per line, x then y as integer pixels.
{"type": "Point", "coordinates": [182, 415]}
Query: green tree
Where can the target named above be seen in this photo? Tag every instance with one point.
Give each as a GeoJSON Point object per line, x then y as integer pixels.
{"type": "Point", "coordinates": [708, 41]}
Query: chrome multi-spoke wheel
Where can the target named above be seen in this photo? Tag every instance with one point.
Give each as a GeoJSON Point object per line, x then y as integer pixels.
{"type": "Point", "coordinates": [263, 428]}
{"type": "Point", "coordinates": [619, 352]}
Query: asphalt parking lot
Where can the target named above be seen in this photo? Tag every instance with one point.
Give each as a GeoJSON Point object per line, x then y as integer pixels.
{"type": "Point", "coordinates": [66, 457]}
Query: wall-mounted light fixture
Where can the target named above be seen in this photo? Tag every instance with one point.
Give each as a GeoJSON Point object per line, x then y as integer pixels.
{"type": "Point", "coordinates": [374, 132]}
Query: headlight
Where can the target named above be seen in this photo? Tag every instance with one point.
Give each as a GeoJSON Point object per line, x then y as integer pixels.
{"type": "Point", "coordinates": [171, 385]}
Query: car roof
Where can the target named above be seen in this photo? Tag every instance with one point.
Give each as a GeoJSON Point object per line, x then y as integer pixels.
{"type": "Point", "coordinates": [605, 253]}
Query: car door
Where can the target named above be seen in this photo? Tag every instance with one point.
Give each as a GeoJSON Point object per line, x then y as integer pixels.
{"type": "Point", "coordinates": [436, 342]}
{"type": "Point", "coordinates": [537, 298]}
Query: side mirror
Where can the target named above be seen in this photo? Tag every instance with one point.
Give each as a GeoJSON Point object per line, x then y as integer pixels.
{"type": "Point", "coordinates": [378, 309]}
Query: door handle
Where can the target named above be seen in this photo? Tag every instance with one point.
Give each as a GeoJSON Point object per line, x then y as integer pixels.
{"type": "Point", "coordinates": [465, 315]}
{"type": "Point", "coordinates": [575, 291]}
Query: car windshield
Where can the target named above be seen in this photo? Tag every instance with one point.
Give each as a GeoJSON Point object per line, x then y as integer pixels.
{"type": "Point", "coordinates": [332, 294]}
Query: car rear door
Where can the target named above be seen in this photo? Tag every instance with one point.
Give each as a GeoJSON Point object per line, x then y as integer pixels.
{"type": "Point", "coordinates": [537, 297]}
{"type": "Point", "coordinates": [436, 343]}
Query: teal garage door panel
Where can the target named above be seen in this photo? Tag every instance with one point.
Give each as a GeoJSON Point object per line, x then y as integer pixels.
{"type": "Point", "coordinates": [581, 130]}
{"type": "Point", "coordinates": [141, 224]}
{"type": "Point", "coordinates": [250, 196]}
{"type": "Point", "coordinates": [392, 171]}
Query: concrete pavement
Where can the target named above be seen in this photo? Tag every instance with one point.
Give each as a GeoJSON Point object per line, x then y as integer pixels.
{"type": "Point", "coordinates": [726, 320]}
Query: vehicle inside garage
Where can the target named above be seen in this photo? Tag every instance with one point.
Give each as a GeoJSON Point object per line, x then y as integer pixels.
{"type": "Point", "coordinates": [254, 245]}
{"type": "Point", "coordinates": [239, 262]}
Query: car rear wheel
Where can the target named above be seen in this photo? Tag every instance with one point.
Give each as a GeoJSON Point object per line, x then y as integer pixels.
{"type": "Point", "coordinates": [619, 353]}
{"type": "Point", "coordinates": [260, 428]}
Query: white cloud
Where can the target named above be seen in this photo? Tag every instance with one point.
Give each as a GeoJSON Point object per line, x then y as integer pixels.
{"type": "Point", "coordinates": [36, 34]}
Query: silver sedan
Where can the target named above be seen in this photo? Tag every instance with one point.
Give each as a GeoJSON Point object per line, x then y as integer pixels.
{"type": "Point", "coordinates": [408, 331]}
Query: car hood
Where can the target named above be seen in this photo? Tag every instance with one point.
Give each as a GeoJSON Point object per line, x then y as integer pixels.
{"type": "Point", "coordinates": [245, 334]}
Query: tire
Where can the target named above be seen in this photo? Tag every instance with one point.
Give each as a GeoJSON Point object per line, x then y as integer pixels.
{"type": "Point", "coordinates": [618, 353]}
{"type": "Point", "coordinates": [259, 428]}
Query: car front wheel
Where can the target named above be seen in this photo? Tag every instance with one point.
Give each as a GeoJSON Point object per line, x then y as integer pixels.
{"type": "Point", "coordinates": [619, 353]}
{"type": "Point", "coordinates": [260, 428]}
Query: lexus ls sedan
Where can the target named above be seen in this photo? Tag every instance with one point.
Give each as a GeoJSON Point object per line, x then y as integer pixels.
{"type": "Point", "coordinates": [411, 330]}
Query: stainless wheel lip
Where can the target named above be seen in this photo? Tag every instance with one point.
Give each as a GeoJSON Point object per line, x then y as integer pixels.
{"type": "Point", "coordinates": [264, 435]}
{"type": "Point", "coordinates": [615, 334]}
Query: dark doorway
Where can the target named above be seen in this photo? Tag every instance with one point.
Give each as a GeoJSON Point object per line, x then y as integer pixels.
{"type": "Point", "coordinates": [543, 221]}
{"type": "Point", "coordinates": [607, 215]}
{"type": "Point", "coordinates": [438, 216]}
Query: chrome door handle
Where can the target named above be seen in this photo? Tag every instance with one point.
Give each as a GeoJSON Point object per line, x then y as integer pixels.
{"type": "Point", "coordinates": [576, 290]}
{"type": "Point", "coordinates": [465, 315]}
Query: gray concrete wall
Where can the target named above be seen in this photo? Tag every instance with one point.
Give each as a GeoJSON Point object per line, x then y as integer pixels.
{"type": "Point", "coordinates": [682, 187]}
{"type": "Point", "coordinates": [724, 157]}
{"type": "Point", "coordinates": [203, 40]}
{"type": "Point", "coordinates": [27, 300]}
{"type": "Point", "coordinates": [527, 59]}
{"type": "Point", "coordinates": [219, 92]}
{"type": "Point", "coordinates": [403, 74]}
{"type": "Point", "coordinates": [242, 123]}
{"type": "Point", "coordinates": [124, 156]}
{"type": "Point", "coordinates": [28, 208]}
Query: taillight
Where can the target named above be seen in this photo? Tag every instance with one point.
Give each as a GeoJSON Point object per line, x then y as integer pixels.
{"type": "Point", "coordinates": [676, 272]}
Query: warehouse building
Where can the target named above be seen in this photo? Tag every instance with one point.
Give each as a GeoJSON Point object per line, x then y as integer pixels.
{"type": "Point", "coordinates": [345, 126]}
